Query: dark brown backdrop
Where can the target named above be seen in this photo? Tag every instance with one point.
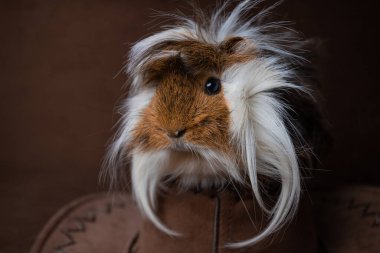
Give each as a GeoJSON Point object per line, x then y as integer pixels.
{"type": "Point", "coordinates": [57, 94]}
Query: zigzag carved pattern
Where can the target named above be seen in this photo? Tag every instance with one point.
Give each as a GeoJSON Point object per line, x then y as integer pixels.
{"type": "Point", "coordinates": [365, 208]}
{"type": "Point", "coordinates": [80, 222]}
{"type": "Point", "coordinates": [352, 204]}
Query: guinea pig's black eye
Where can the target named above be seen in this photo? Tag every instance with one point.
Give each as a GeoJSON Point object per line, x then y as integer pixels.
{"type": "Point", "coordinates": [212, 86]}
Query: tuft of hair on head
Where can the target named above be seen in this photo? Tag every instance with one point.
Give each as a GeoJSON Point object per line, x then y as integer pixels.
{"type": "Point", "coordinates": [275, 126]}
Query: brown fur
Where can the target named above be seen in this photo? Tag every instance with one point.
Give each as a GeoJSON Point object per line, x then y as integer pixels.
{"type": "Point", "coordinates": [180, 101]}
{"type": "Point", "coordinates": [199, 56]}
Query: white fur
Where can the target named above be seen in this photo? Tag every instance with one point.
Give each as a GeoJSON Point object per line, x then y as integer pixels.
{"type": "Point", "coordinates": [263, 143]}
{"type": "Point", "coordinates": [131, 112]}
{"type": "Point", "coordinates": [150, 168]}
{"type": "Point", "coordinates": [259, 131]}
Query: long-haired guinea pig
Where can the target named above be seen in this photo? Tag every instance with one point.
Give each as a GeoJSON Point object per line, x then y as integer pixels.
{"type": "Point", "coordinates": [219, 99]}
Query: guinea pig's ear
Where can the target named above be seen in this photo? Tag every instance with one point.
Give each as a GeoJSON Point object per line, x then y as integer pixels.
{"type": "Point", "coordinates": [237, 50]}
{"type": "Point", "coordinates": [232, 45]}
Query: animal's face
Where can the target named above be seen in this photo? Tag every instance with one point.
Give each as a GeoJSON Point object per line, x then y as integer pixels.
{"type": "Point", "coordinates": [188, 108]}
{"type": "Point", "coordinates": [213, 103]}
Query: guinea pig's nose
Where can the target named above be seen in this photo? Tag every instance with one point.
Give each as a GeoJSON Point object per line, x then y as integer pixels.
{"type": "Point", "coordinates": [177, 134]}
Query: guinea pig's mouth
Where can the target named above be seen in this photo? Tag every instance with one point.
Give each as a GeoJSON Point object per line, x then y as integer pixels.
{"type": "Point", "coordinates": [180, 145]}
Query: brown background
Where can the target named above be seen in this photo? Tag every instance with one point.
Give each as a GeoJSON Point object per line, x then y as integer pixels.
{"type": "Point", "coordinates": [58, 60]}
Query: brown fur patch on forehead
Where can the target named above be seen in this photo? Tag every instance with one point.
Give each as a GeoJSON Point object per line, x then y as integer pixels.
{"type": "Point", "coordinates": [195, 57]}
{"type": "Point", "coordinates": [156, 69]}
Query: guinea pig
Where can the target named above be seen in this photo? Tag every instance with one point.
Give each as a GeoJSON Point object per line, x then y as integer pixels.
{"type": "Point", "coordinates": [221, 98]}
